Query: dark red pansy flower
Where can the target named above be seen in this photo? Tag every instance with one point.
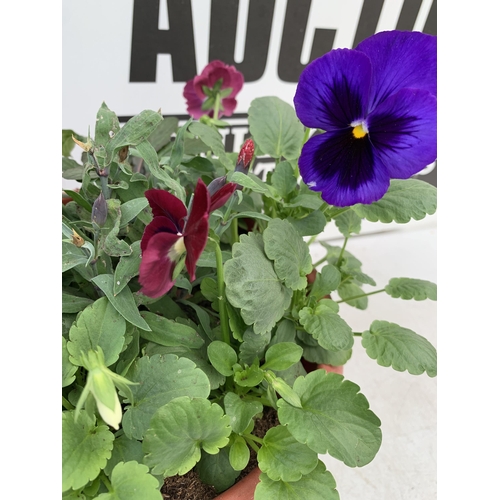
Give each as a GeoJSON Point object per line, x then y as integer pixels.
{"type": "Point", "coordinates": [215, 77]}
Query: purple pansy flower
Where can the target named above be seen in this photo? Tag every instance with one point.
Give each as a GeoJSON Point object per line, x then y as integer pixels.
{"type": "Point", "coordinates": [216, 75]}
{"type": "Point", "coordinates": [173, 231]}
{"type": "Point", "coordinates": [377, 106]}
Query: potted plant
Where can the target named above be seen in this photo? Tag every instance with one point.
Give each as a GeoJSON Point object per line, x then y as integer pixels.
{"type": "Point", "coordinates": [191, 305]}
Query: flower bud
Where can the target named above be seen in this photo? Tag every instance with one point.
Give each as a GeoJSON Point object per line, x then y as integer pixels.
{"type": "Point", "coordinates": [245, 157]}
{"type": "Point", "coordinates": [100, 210]}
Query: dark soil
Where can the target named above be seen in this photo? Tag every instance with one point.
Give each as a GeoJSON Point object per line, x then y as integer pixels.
{"type": "Point", "coordinates": [190, 487]}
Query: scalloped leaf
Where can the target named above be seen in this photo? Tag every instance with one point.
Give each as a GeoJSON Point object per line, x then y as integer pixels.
{"type": "Point", "coordinates": [98, 325]}
{"type": "Point", "coordinates": [401, 348]}
{"type": "Point", "coordinates": [411, 288]}
{"type": "Point", "coordinates": [348, 291]}
{"type": "Point", "coordinates": [283, 458]}
{"type": "Point", "coordinates": [212, 138]}
{"type": "Point", "coordinates": [161, 378]}
{"type": "Point", "coordinates": [326, 326]}
{"type": "Point", "coordinates": [179, 431]}
{"type": "Point", "coordinates": [275, 127]}
{"type": "Point", "coordinates": [335, 418]}
{"type": "Point", "coordinates": [326, 281]}
{"type": "Point", "coordinates": [317, 484]}
{"type": "Point", "coordinates": [253, 285]}
{"type": "Point", "coordinates": [292, 262]}
{"type": "Point", "coordinates": [132, 481]}
{"type": "Point", "coordinates": [405, 200]}
{"type": "Point", "coordinates": [85, 449]}
{"type": "Point", "coordinates": [217, 470]}
{"type": "Point", "coordinates": [348, 223]}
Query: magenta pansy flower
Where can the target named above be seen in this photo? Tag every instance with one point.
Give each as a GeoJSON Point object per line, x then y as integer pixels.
{"type": "Point", "coordinates": [200, 92]}
{"type": "Point", "coordinates": [377, 106]}
{"type": "Point", "coordinates": [173, 231]}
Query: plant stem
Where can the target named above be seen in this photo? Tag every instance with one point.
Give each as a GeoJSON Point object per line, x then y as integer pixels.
{"type": "Point", "coordinates": [342, 252]}
{"type": "Point", "coordinates": [217, 106]}
{"type": "Point", "coordinates": [106, 482]}
{"type": "Point", "coordinates": [320, 261]}
{"type": "Point", "coordinates": [360, 296]}
{"type": "Point", "coordinates": [357, 334]}
{"type": "Point", "coordinates": [224, 319]}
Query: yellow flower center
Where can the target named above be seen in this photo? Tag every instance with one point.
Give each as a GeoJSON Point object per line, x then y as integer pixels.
{"type": "Point", "coordinates": [359, 131]}
{"type": "Point", "coordinates": [177, 250]}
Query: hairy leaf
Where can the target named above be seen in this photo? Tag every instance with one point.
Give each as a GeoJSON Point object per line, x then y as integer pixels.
{"type": "Point", "coordinates": [335, 418]}
{"type": "Point", "coordinates": [326, 326]}
{"type": "Point", "coordinates": [410, 288]}
{"type": "Point", "coordinates": [290, 253]}
{"type": "Point", "coordinates": [401, 348]}
{"type": "Point", "coordinates": [275, 127]}
{"type": "Point", "coordinates": [253, 285]}
{"type": "Point", "coordinates": [405, 200]}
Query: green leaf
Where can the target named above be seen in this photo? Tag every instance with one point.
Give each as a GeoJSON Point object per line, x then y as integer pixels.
{"type": "Point", "coordinates": [98, 325]}
{"type": "Point", "coordinates": [123, 302]}
{"type": "Point", "coordinates": [348, 223]}
{"type": "Point", "coordinates": [178, 432]}
{"type": "Point", "coordinates": [252, 182]}
{"type": "Point", "coordinates": [85, 449]}
{"type": "Point", "coordinates": [275, 127]}
{"type": "Point", "coordinates": [251, 376]}
{"type": "Point", "coordinates": [68, 368]}
{"type": "Point", "coordinates": [170, 333]}
{"type": "Point", "coordinates": [239, 454]}
{"type": "Point", "coordinates": [67, 141]}
{"type": "Point", "coordinates": [310, 225]}
{"type": "Point", "coordinates": [216, 470]}
{"type": "Point", "coordinates": [283, 458]}
{"type": "Point", "coordinates": [161, 379]}
{"type": "Point", "coordinates": [106, 122]}
{"type": "Point", "coordinates": [222, 357]}
{"type": "Point", "coordinates": [160, 137]}
{"type": "Point", "coordinates": [213, 140]}
{"type": "Point", "coordinates": [72, 256]}
{"type": "Point", "coordinates": [326, 281]}
{"type": "Point", "coordinates": [79, 199]}
{"type": "Point", "coordinates": [72, 303]}
{"type": "Point", "coordinates": [401, 348]}
{"type": "Point", "coordinates": [318, 484]}
{"type": "Point", "coordinates": [178, 147]}
{"type": "Point", "coordinates": [124, 450]}
{"type": "Point", "coordinates": [405, 200]}
{"type": "Point", "coordinates": [127, 268]}
{"type": "Point", "coordinates": [281, 356]}
{"type": "Point", "coordinates": [253, 346]}
{"type": "Point", "coordinates": [334, 418]}
{"type": "Point", "coordinates": [253, 285]}
{"type": "Point", "coordinates": [131, 209]}
{"type": "Point", "coordinates": [348, 290]}
{"type": "Point", "coordinates": [326, 326]}
{"type": "Point", "coordinates": [132, 481]}
{"type": "Point", "coordinates": [135, 131]}
{"type": "Point", "coordinates": [410, 288]}
{"type": "Point", "coordinates": [240, 411]}
{"type": "Point", "coordinates": [283, 179]}
{"type": "Point", "coordinates": [292, 260]}
{"type": "Point", "coordinates": [109, 242]}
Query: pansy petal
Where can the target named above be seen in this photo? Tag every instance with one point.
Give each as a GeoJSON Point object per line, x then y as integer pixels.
{"type": "Point", "coordinates": [400, 59]}
{"type": "Point", "coordinates": [155, 271]}
{"type": "Point", "coordinates": [333, 90]}
{"type": "Point", "coordinates": [222, 195]}
{"type": "Point", "coordinates": [403, 132]}
{"type": "Point", "coordinates": [193, 101]}
{"type": "Point", "coordinates": [342, 169]}
{"type": "Point", "coordinates": [229, 105]}
{"type": "Point", "coordinates": [166, 204]}
{"type": "Point", "coordinates": [157, 225]}
{"type": "Point", "coordinates": [196, 231]}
